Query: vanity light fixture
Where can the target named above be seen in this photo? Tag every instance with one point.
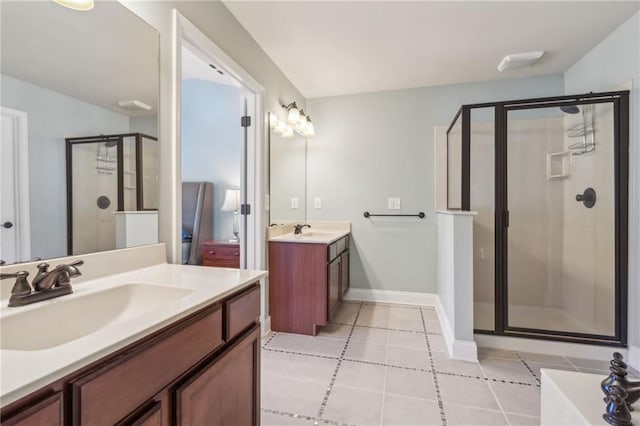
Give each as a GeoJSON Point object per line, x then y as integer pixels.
{"type": "Point", "coordinates": [301, 125]}
{"type": "Point", "coordinates": [82, 5]}
{"type": "Point", "coordinates": [232, 204]}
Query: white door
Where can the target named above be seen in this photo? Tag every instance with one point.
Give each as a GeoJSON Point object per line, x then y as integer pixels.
{"type": "Point", "coordinates": [15, 241]}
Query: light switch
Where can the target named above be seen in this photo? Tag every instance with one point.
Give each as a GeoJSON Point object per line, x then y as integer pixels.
{"type": "Point", "coordinates": [317, 203]}
{"type": "Point", "coordinates": [294, 202]}
{"type": "Point", "coordinates": [394, 204]}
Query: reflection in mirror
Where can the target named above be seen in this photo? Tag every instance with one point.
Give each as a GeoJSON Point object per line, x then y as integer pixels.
{"type": "Point", "coordinates": [287, 178]}
{"type": "Point", "coordinates": [63, 74]}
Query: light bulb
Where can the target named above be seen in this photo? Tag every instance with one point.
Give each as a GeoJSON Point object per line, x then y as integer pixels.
{"type": "Point", "coordinates": [309, 131]}
{"type": "Point", "coordinates": [273, 120]}
{"type": "Point", "coordinates": [280, 128]}
{"type": "Point", "coordinates": [288, 134]}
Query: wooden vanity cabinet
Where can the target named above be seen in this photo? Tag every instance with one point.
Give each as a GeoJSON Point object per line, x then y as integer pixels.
{"type": "Point", "coordinates": [307, 282]}
{"type": "Point", "coordinates": [204, 369]}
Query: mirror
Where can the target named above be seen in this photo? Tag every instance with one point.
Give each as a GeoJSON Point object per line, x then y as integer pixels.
{"type": "Point", "coordinates": [287, 178]}
{"type": "Point", "coordinates": [79, 125]}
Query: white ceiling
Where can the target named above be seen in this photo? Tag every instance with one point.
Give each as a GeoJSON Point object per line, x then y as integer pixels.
{"type": "Point", "coordinates": [102, 56]}
{"type": "Point", "coordinates": [333, 47]}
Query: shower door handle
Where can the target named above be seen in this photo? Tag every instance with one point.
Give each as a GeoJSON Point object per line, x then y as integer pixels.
{"type": "Point", "coordinates": [506, 218]}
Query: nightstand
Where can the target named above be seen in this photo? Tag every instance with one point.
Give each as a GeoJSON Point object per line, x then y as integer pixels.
{"type": "Point", "coordinates": [222, 254]}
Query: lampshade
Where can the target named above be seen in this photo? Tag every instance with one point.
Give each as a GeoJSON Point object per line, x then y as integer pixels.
{"type": "Point", "coordinates": [288, 133]}
{"type": "Point", "coordinates": [273, 120]}
{"type": "Point", "coordinates": [281, 127]}
{"type": "Point", "coordinates": [294, 115]}
{"type": "Point", "coordinates": [83, 5]}
{"type": "Point", "coordinates": [309, 131]}
{"type": "Point", "coordinates": [231, 200]}
{"type": "Point", "coordinates": [302, 121]}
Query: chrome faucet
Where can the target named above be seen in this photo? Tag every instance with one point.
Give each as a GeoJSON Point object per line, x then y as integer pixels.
{"type": "Point", "coordinates": [46, 284]}
{"type": "Point", "coordinates": [298, 228]}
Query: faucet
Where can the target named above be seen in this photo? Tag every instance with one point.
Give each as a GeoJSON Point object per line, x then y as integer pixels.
{"type": "Point", "coordinates": [46, 284]}
{"type": "Point", "coordinates": [298, 228]}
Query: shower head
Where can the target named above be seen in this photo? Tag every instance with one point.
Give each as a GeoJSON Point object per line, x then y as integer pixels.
{"type": "Point", "coordinates": [110, 144]}
{"type": "Point", "coordinates": [570, 109]}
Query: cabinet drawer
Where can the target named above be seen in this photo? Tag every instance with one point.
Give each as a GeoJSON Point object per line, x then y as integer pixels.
{"type": "Point", "coordinates": [242, 312]}
{"type": "Point", "coordinates": [220, 253]}
{"type": "Point", "coordinates": [222, 263]}
{"type": "Point", "coordinates": [337, 247]}
{"type": "Point", "coordinates": [115, 390]}
{"type": "Point", "coordinates": [46, 412]}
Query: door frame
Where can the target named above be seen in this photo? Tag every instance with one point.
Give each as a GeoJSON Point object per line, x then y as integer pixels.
{"type": "Point", "coordinates": [22, 204]}
{"type": "Point", "coordinates": [252, 176]}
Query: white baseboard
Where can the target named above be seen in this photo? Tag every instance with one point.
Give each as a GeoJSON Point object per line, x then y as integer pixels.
{"type": "Point", "coordinates": [634, 357]}
{"type": "Point", "coordinates": [389, 296]}
{"type": "Point", "coordinates": [458, 349]}
{"type": "Point", "coordinates": [462, 350]}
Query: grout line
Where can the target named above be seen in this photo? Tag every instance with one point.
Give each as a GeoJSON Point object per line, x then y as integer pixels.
{"type": "Point", "coordinates": [528, 368]}
{"type": "Point", "coordinates": [316, 420]}
{"type": "Point", "coordinates": [443, 416]}
{"type": "Point", "coordinates": [273, 334]}
{"type": "Point", "coordinates": [323, 406]}
{"type": "Point", "coordinates": [401, 367]}
{"type": "Point", "coordinates": [389, 329]}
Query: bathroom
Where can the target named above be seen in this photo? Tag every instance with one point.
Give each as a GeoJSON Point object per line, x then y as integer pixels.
{"type": "Point", "coordinates": [372, 143]}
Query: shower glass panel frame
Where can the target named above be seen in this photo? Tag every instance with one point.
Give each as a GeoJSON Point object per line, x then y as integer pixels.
{"type": "Point", "coordinates": [619, 102]}
{"type": "Point", "coordinates": [136, 142]}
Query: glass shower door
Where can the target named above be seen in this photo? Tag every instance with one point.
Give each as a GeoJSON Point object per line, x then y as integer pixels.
{"type": "Point", "coordinates": [560, 219]}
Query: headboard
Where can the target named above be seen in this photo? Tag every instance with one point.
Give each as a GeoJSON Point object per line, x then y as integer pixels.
{"type": "Point", "coordinates": [197, 219]}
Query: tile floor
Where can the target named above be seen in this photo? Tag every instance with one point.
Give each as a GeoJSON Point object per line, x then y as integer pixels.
{"type": "Point", "coordinates": [387, 364]}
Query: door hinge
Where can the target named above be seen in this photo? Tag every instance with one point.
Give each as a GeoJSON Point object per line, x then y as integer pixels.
{"type": "Point", "coordinates": [245, 209]}
{"type": "Point", "coordinates": [506, 218]}
{"type": "Point", "coordinates": [245, 121]}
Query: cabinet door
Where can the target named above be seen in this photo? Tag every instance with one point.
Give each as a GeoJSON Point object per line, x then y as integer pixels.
{"type": "Point", "coordinates": [333, 274]}
{"type": "Point", "coordinates": [226, 391]}
{"type": "Point", "coordinates": [344, 273]}
{"type": "Point", "coordinates": [46, 412]}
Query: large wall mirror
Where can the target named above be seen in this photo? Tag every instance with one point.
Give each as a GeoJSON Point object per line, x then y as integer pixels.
{"type": "Point", "coordinates": [79, 96]}
{"type": "Point", "coordinates": [287, 178]}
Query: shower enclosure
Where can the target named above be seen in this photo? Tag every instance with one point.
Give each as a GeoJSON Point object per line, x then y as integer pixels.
{"type": "Point", "coordinates": [105, 174]}
{"type": "Point", "coordinates": [548, 178]}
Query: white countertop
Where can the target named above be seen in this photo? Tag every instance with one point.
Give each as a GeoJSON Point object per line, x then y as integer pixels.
{"type": "Point", "coordinates": [24, 371]}
{"type": "Point", "coordinates": [311, 236]}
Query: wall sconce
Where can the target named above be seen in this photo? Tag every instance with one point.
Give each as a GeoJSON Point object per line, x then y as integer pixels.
{"type": "Point", "coordinates": [232, 204]}
{"type": "Point", "coordinates": [296, 121]}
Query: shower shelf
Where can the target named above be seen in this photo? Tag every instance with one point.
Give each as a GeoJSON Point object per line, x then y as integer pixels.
{"type": "Point", "coordinates": [558, 165]}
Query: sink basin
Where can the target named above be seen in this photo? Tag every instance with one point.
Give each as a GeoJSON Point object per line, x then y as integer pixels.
{"type": "Point", "coordinates": [67, 319]}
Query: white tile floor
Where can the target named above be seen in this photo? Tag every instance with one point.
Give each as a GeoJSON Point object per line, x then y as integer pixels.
{"type": "Point", "coordinates": [386, 364]}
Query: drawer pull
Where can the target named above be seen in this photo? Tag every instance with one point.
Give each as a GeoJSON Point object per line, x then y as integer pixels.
{"type": "Point", "coordinates": [236, 254]}
{"type": "Point", "coordinates": [212, 252]}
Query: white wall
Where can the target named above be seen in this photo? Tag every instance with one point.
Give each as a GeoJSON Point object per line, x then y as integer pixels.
{"type": "Point", "coordinates": [147, 125]}
{"type": "Point", "coordinates": [212, 142]}
{"type": "Point", "coordinates": [53, 116]}
{"type": "Point", "coordinates": [373, 146]}
{"type": "Point", "coordinates": [613, 63]}
{"type": "Point", "coordinates": [217, 23]}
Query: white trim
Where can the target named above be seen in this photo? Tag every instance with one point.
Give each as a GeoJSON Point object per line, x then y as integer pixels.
{"type": "Point", "coordinates": [266, 326]}
{"type": "Point", "coordinates": [389, 296]}
{"type": "Point", "coordinates": [187, 33]}
{"type": "Point", "coordinates": [462, 350]}
{"type": "Point", "coordinates": [22, 204]}
{"type": "Point", "coordinates": [578, 350]}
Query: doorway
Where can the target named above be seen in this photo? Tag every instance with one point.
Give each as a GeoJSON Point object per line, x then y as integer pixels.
{"type": "Point", "coordinates": [549, 180]}
{"type": "Point", "coordinates": [221, 147]}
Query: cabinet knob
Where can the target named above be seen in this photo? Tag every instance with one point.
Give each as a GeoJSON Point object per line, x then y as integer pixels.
{"type": "Point", "coordinates": [236, 254]}
{"type": "Point", "coordinates": [212, 252]}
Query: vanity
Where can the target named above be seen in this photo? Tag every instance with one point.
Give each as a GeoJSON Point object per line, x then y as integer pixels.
{"type": "Point", "coordinates": [156, 344]}
{"type": "Point", "coordinates": [308, 276]}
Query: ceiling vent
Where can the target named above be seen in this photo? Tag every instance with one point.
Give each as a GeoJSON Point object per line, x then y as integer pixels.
{"type": "Point", "coordinates": [134, 105]}
{"type": "Point", "coordinates": [519, 60]}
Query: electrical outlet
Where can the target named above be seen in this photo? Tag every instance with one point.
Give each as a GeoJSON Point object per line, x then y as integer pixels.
{"type": "Point", "coordinates": [294, 202]}
{"type": "Point", "coordinates": [317, 203]}
{"type": "Point", "coordinates": [394, 204]}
